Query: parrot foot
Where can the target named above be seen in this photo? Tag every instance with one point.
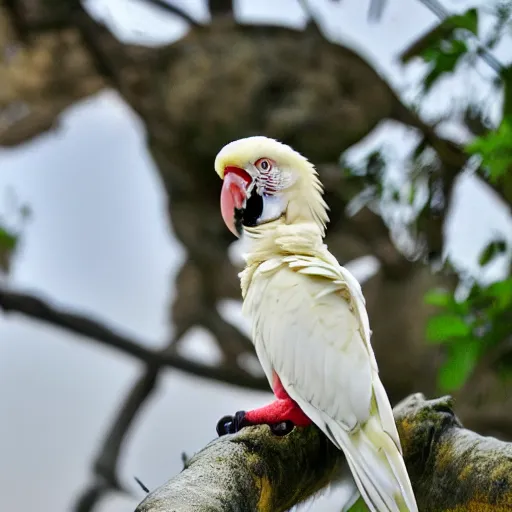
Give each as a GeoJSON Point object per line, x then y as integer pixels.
{"type": "Point", "coordinates": [282, 416]}
{"type": "Point", "coordinates": [232, 424]}
{"type": "Point", "coordinates": [282, 409]}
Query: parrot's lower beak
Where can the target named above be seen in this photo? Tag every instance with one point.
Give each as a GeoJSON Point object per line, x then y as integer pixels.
{"type": "Point", "coordinates": [233, 198]}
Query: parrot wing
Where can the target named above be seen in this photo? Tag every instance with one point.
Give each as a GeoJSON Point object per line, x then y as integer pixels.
{"type": "Point", "coordinates": [310, 326]}
{"type": "Point", "coordinates": [311, 338]}
{"type": "Point", "coordinates": [307, 373]}
{"type": "Point", "coordinates": [344, 284]}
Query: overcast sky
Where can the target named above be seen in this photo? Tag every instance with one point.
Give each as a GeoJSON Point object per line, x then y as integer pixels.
{"type": "Point", "coordinates": [99, 241]}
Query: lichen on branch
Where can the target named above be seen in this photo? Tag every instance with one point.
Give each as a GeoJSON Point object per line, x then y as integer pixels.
{"type": "Point", "coordinates": [451, 468]}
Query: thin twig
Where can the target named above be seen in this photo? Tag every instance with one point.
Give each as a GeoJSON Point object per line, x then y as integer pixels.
{"type": "Point", "coordinates": [88, 500]}
{"type": "Point", "coordinates": [105, 467]}
{"type": "Point", "coordinates": [220, 7]}
{"type": "Point", "coordinates": [310, 15]}
{"type": "Point", "coordinates": [141, 484]}
{"type": "Point", "coordinates": [172, 9]}
{"type": "Point", "coordinates": [376, 9]}
{"type": "Point", "coordinates": [89, 27]}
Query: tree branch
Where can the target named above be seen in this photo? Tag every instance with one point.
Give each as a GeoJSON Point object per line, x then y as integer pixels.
{"type": "Point", "coordinates": [221, 8]}
{"type": "Point", "coordinates": [312, 22]}
{"type": "Point", "coordinates": [105, 470]}
{"type": "Point", "coordinates": [451, 468]}
{"type": "Point", "coordinates": [376, 10]}
{"type": "Point", "coordinates": [172, 9]}
{"type": "Point", "coordinates": [39, 309]}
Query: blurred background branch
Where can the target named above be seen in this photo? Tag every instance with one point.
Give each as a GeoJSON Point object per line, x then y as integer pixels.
{"type": "Point", "coordinates": [79, 324]}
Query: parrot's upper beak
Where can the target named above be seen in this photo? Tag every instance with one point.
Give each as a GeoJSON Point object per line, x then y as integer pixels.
{"type": "Point", "coordinates": [233, 197]}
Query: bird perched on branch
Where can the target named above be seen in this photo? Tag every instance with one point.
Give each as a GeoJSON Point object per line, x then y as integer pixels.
{"type": "Point", "coordinates": [310, 327]}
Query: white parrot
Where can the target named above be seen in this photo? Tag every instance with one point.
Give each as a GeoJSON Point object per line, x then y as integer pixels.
{"type": "Point", "coordinates": [309, 322]}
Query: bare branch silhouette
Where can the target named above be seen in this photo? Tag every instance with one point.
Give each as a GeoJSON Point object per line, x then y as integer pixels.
{"type": "Point", "coordinates": [37, 308]}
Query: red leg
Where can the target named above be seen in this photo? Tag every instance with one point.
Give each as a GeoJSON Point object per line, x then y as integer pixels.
{"type": "Point", "coordinates": [279, 390]}
{"type": "Point", "coordinates": [283, 409]}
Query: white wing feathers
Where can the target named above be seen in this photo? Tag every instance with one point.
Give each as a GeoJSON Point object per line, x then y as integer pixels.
{"type": "Point", "coordinates": [310, 326]}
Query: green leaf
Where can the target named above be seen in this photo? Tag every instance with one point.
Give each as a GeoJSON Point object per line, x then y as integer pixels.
{"type": "Point", "coordinates": [412, 194]}
{"type": "Point", "coordinates": [7, 239]}
{"type": "Point", "coordinates": [502, 292]}
{"type": "Point", "coordinates": [467, 21]}
{"type": "Point", "coordinates": [375, 164]}
{"type": "Point", "coordinates": [506, 76]}
{"type": "Point", "coordinates": [441, 298]}
{"type": "Point", "coordinates": [359, 506]}
{"type": "Point", "coordinates": [443, 328]}
{"type": "Point", "coordinates": [462, 359]}
{"type": "Point", "coordinates": [420, 148]}
{"type": "Point", "coordinates": [495, 150]}
{"type": "Point", "coordinates": [492, 250]}
{"type": "Point", "coordinates": [443, 33]}
{"type": "Point", "coordinates": [444, 60]}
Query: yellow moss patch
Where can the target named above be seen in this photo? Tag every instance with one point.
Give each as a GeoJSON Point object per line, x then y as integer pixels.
{"type": "Point", "coordinates": [478, 506]}
{"type": "Point", "coordinates": [500, 471]}
{"type": "Point", "coordinates": [466, 471]}
{"type": "Point", "coordinates": [262, 483]}
{"type": "Point", "coordinates": [265, 501]}
{"type": "Point", "coordinates": [444, 457]}
{"type": "Point", "coordinates": [405, 430]}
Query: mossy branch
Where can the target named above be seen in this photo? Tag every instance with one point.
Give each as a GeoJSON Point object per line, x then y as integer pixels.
{"type": "Point", "coordinates": [451, 468]}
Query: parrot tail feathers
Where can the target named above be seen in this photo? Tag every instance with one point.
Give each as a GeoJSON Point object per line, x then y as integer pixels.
{"type": "Point", "coordinates": [377, 473]}
{"type": "Point", "coordinates": [397, 464]}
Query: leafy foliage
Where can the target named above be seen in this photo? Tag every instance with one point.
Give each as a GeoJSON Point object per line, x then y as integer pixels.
{"type": "Point", "coordinates": [7, 239]}
{"type": "Point", "coordinates": [447, 326]}
{"type": "Point", "coordinates": [492, 250]}
{"type": "Point", "coordinates": [10, 236]}
{"type": "Point", "coordinates": [8, 243]}
{"type": "Point", "coordinates": [444, 46]}
{"type": "Point", "coordinates": [444, 59]}
{"type": "Point", "coordinates": [479, 326]}
{"type": "Point", "coordinates": [469, 329]}
{"type": "Point", "coordinates": [495, 150]}
{"type": "Point", "coordinates": [359, 506]}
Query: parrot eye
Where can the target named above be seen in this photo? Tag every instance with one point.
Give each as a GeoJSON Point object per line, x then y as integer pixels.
{"type": "Point", "coordinates": [263, 164]}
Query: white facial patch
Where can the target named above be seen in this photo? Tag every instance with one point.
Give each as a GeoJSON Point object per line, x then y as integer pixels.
{"type": "Point", "coordinates": [273, 208]}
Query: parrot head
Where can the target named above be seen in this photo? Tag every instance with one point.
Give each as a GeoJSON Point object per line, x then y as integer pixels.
{"type": "Point", "coordinates": [265, 180]}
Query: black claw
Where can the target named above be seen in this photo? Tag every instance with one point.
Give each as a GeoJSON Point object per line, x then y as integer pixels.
{"type": "Point", "coordinates": [231, 424]}
{"type": "Point", "coordinates": [281, 429]}
{"type": "Point", "coordinates": [239, 422]}
{"type": "Point", "coordinates": [225, 426]}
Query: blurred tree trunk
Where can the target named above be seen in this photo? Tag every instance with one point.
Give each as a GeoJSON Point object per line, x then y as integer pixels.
{"type": "Point", "coordinates": [281, 83]}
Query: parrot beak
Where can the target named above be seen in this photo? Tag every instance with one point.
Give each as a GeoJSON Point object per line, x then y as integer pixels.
{"type": "Point", "coordinates": [233, 197]}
